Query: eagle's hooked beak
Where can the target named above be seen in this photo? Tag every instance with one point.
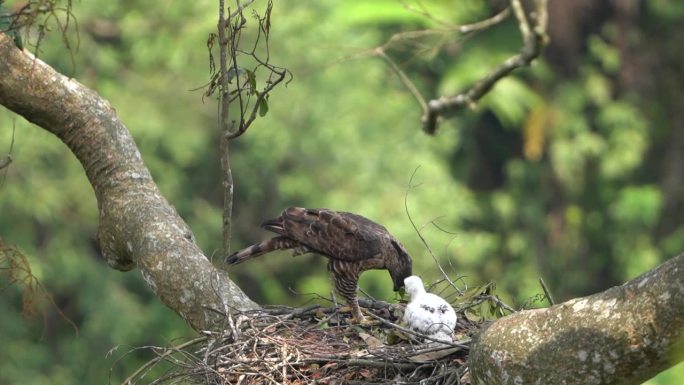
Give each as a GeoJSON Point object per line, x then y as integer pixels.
{"type": "Point", "coordinates": [398, 285]}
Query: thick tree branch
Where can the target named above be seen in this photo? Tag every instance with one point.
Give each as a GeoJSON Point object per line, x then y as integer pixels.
{"type": "Point", "coordinates": [623, 335]}
{"type": "Point", "coordinates": [138, 227]}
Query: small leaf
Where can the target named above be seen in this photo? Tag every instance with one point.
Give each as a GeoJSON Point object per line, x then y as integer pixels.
{"type": "Point", "coordinates": [263, 107]}
{"type": "Point", "coordinates": [251, 78]}
{"type": "Point", "coordinates": [371, 341]}
{"type": "Point", "coordinates": [473, 316]}
{"type": "Point", "coordinates": [393, 339]}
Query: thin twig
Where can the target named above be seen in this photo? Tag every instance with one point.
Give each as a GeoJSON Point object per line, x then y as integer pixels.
{"type": "Point", "coordinates": [425, 13]}
{"type": "Point", "coordinates": [225, 127]}
{"type": "Point", "coordinates": [414, 333]}
{"type": "Point", "coordinates": [154, 361]}
{"type": "Point", "coordinates": [380, 51]}
{"type": "Point", "coordinates": [487, 23]}
{"type": "Point", "coordinates": [422, 239]}
{"type": "Point", "coordinates": [519, 13]}
{"type": "Point", "coordinates": [283, 349]}
{"type": "Point", "coordinates": [547, 293]}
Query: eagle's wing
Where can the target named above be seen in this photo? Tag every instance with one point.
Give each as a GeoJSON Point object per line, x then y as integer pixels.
{"type": "Point", "coordinates": [338, 235]}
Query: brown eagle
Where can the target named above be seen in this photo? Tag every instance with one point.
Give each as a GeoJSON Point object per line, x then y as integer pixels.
{"type": "Point", "coordinates": [352, 244]}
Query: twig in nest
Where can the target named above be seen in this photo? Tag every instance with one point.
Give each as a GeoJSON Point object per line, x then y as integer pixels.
{"type": "Point", "coordinates": [414, 333]}
{"type": "Point", "coordinates": [283, 348]}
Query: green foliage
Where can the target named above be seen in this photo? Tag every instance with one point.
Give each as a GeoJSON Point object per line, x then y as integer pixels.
{"type": "Point", "coordinates": [7, 25]}
{"type": "Point", "coordinates": [585, 213]}
{"type": "Point", "coordinates": [669, 10]}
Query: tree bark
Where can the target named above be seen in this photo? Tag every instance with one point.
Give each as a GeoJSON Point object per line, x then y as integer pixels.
{"type": "Point", "coordinates": [624, 335]}
{"type": "Point", "coordinates": [138, 227]}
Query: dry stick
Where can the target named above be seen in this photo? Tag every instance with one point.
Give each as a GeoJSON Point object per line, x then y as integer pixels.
{"type": "Point", "coordinates": [324, 320]}
{"type": "Point", "coordinates": [424, 12]}
{"type": "Point", "coordinates": [422, 239]}
{"type": "Point", "coordinates": [523, 23]}
{"type": "Point", "coordinates": [547, 293]}
{"type": "Point", "coordinates": [404, 79]}
{"type": "Point", "coordinates": [451, 283]}
{"type": "Point", "coordinates": [542, 17]}
{"type": "Point", "coordinates": [450, 264]}
{"type": "Point", "coordinates": [459, 277]}
{"type": "Point", "coordinates": [409, 331]}
{"type": "Point", "coordinates": [487, 23]}
{"type": "Point", "coordinates": [361, 362]}
{"type": "Point", "coordinates": [240, 7]}
{"type": "Point", "coordinates": [14, 261]}
{"type": "Point", "coordinates": [499, 302]}
{"type": "Point", "coordinates": [154, 361]}
{"type": "Point", "coordinates": [291, 312]}
{"type": "Point", "coordinates": [481, 299]}
{"type": "Point", "coordinates": [225, 128]}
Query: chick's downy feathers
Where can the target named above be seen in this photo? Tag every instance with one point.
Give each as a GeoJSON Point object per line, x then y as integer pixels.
{"type": "Point", "coordinates": [428, 313]}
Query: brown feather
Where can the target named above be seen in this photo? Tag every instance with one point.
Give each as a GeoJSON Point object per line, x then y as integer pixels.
{"type": "Point", "coordinates": [261, 248]}
{"type": "Point", "coordinates": [352, 243]}
{"type": "Point", "coordinates": [337, 235]}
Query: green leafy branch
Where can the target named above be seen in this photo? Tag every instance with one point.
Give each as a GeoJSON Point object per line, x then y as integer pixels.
{"type": "Point", "coordinates": [237, 78]}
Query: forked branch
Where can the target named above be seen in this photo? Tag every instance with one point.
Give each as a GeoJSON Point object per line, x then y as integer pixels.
{"type": "Point", "coordinates": [237, 80]}
{"type": "Point", "coordinates": [532, 27]}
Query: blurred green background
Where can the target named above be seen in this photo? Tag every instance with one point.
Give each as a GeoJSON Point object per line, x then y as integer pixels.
{"type": "Point", "coordinates": [572, 170]}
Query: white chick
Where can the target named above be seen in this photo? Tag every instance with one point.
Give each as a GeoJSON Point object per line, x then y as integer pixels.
{"type": "Point", "coordinates": [428, 313]}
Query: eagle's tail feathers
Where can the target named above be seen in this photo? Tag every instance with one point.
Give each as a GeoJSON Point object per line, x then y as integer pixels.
{"type": "Point", "coordinates": [261, 248]}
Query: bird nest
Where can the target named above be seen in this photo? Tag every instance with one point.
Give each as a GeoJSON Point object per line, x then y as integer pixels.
{"type": "Point", "coordinates": [282, 345]}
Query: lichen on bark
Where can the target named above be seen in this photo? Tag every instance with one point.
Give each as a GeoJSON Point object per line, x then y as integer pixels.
{"type": "Point", "coordinates": [138, 227]}
{"type": "Point", "coordinates": [623, 335]}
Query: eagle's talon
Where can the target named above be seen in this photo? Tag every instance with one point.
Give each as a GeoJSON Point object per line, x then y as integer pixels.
{"type": "Point", "coordinates": [357, 317]}
{"type": "Point", "coordinates": [344, 309]}
{"type": "Point", "coordinates": [367, 322]}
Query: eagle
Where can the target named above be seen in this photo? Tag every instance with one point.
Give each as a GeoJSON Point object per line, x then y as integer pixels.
{"type": "Point", "coordinates": [351, 242]}
{"type": "Point", "coordinates": [428, 313]}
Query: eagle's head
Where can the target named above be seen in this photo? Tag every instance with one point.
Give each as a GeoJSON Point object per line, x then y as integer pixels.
{"type": "Point", "coordinates": [401, 266]}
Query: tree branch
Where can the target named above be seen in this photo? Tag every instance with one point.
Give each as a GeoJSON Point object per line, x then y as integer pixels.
{"type": "Point", "coordinates": [623, 335]}
{"type": "Point", "coordinates": [534, 38]}
{"type": "Point", "coordinates": [250, 100]}
{"type": "Point", "coordinates": [225, 126]}
{"type": "Point", "coordinates": [138, 227]}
